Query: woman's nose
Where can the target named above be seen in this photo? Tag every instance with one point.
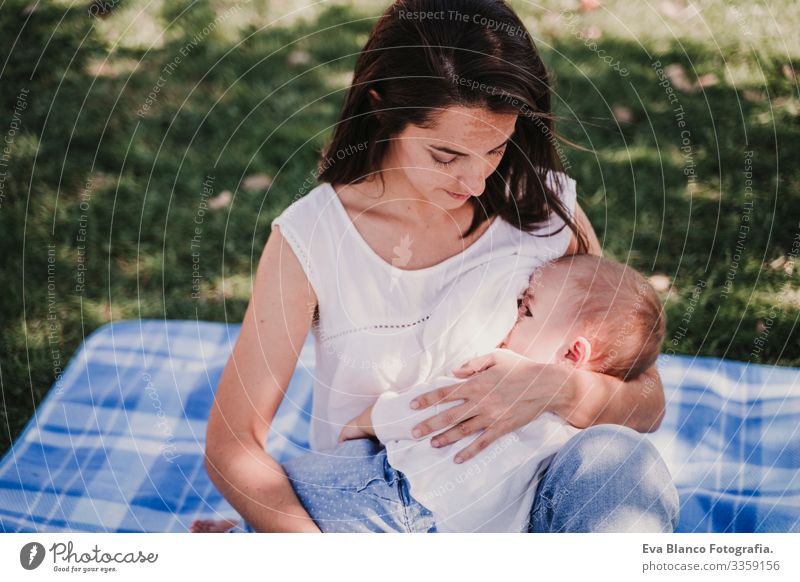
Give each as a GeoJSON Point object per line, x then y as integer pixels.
{"type": "Point", "coordinates": [472, 183]}
{"type": "Point", "coordinates": [473, 179]}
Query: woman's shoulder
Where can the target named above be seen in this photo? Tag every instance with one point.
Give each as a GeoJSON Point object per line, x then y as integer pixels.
{"type": "Point", "coordinates": [305, 205]}
{"type": "Point", "coordinates": [305, 200]}
{"type": "Point", "coordinates": [305, 226]}
{"type": "Point", "coordinates": [565, 186]}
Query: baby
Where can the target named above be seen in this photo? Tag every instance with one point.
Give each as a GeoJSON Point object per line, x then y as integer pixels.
{"type": "Point", "coordinates": [583, 311]}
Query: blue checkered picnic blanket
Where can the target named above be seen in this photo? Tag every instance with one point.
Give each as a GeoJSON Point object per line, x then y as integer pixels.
{"type": "Point", "coordinates": [117, 445]}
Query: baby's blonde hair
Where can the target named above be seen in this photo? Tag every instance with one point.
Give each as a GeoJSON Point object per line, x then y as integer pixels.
{"type": "Point", "coordinates": [618, 310]}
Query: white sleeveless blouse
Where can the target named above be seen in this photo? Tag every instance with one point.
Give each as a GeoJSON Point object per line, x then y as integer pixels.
{"type": "Point", "coordinates": [369, 336]}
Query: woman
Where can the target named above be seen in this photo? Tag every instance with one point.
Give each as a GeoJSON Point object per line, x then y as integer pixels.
{"type": "Point", "coordinates": [442, 158]}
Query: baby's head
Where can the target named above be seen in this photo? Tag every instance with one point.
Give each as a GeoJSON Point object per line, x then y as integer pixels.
{"type": "Point", "coordinates": [591, 312]}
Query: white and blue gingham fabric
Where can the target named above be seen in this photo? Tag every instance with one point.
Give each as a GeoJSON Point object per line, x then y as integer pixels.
{"type": "Point", "coordinates": [731, 439]}
{"type": "Point", "coordinates": [117, 445]}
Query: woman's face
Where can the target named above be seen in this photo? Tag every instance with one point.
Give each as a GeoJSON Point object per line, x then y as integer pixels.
{"type": "Point", "coordinates": [450, 162]}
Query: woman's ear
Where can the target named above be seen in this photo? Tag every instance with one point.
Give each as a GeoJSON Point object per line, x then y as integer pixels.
{"type": "Point", "coordinates": [376, 104]}
{"type": "Point", "coordinates": [374, 99]}
{"type": "Point", "coordinates": [579, 352]}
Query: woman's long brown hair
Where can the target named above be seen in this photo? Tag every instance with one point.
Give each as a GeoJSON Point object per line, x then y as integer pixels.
{"type": "Point", "coordinates": [471, 53]}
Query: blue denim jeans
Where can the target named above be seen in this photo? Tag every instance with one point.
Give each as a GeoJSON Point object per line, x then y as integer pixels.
{"type": "Point", "coordinates": [607, 478]}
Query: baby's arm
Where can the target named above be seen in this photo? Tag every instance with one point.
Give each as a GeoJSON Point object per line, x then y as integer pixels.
{"type": "Point", "coordinates": [358, 427]}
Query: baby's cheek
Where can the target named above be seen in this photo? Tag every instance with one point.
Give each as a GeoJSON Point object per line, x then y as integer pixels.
{"type": "Point", "coordinates": [509, 340]}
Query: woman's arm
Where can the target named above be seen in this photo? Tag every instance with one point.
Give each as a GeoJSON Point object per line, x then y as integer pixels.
{"type": "Point", "coordinates": [600, 399]}
{"type": "Point", "coordinates": [250, 390]}
{"type": "Point", "coordinates": [582, 221]}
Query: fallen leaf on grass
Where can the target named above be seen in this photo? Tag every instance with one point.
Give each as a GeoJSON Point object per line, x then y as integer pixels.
{"type": "Point", "coordinates": [707, 80]}
{"type": "Point", "coordinates": [257, 182]}
{"type": "Point", "coordinates": [623, 115]}
{"type": "Point", "coordinates": [660, 283]}
{"type": "Point", "coordinates": [592, 33]}
{"type": "Point", "coordinates": [679, 79]}
{"type": "Point", "coordinates": [752, 95]}
{"type": "Point", "coordinates": [221, 200]}
{"type": "Point", "coordinates": [782, 263]}
{"type": "Point", "coordinates": [298, 58]}
{"type": "Point", "coordinates": [590, 5]}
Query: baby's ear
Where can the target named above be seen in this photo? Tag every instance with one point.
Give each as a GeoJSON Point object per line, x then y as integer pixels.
{"type": "Point", "coordinates": [579, 352]}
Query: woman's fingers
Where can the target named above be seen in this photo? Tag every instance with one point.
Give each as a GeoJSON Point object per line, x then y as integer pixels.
{"type": "Point", "coordinates": [488, 436]}
{"type": "Point", "coordinates": [459, 431]}
{"type": "Point", "coordinates": [475, 365]}
{"type": "Point", "coordinates": [439, 395]}
{"type": "Point", "coordinates": [444, 419]}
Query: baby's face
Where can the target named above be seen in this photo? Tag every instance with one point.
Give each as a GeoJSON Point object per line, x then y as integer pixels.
{"type": "Point", "coordinates": [544, 323]}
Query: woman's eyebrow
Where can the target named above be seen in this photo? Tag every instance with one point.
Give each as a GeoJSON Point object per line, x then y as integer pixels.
{"type": "Point", "coordinates": [455, 153]}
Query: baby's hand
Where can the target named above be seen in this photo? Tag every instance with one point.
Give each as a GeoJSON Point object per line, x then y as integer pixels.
{"type": "Point", "coordinates": [359, 427]}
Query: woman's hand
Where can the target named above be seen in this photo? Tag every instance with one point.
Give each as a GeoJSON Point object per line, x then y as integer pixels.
{"type": "Point", "coordinates": [505, 391]}
{"type": "Point", "coordinates": [359, 427]}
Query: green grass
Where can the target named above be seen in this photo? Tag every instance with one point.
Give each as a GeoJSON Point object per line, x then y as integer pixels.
{"type": "Point", "coordinates": [252, 100]}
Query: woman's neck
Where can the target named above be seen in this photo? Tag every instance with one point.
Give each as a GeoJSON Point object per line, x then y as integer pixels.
{"type": "Point", "coordinates": [399, 199]}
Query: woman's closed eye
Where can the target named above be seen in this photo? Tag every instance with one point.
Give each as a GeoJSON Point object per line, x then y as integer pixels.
{"type": "Point", "coordinates": [442, 163]}
{"type": "Point", "coordinates": [445, 163]}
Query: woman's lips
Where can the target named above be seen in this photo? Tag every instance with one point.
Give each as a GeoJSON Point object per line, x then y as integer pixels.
{"type": "Point", "coordinates": [460, 197]}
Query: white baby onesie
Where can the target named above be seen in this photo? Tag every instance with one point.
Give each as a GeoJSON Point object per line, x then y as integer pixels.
{"type": "Point", "coordinates": [494, 490]}
{"type": "Point", "coordinates": [491, 492]}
